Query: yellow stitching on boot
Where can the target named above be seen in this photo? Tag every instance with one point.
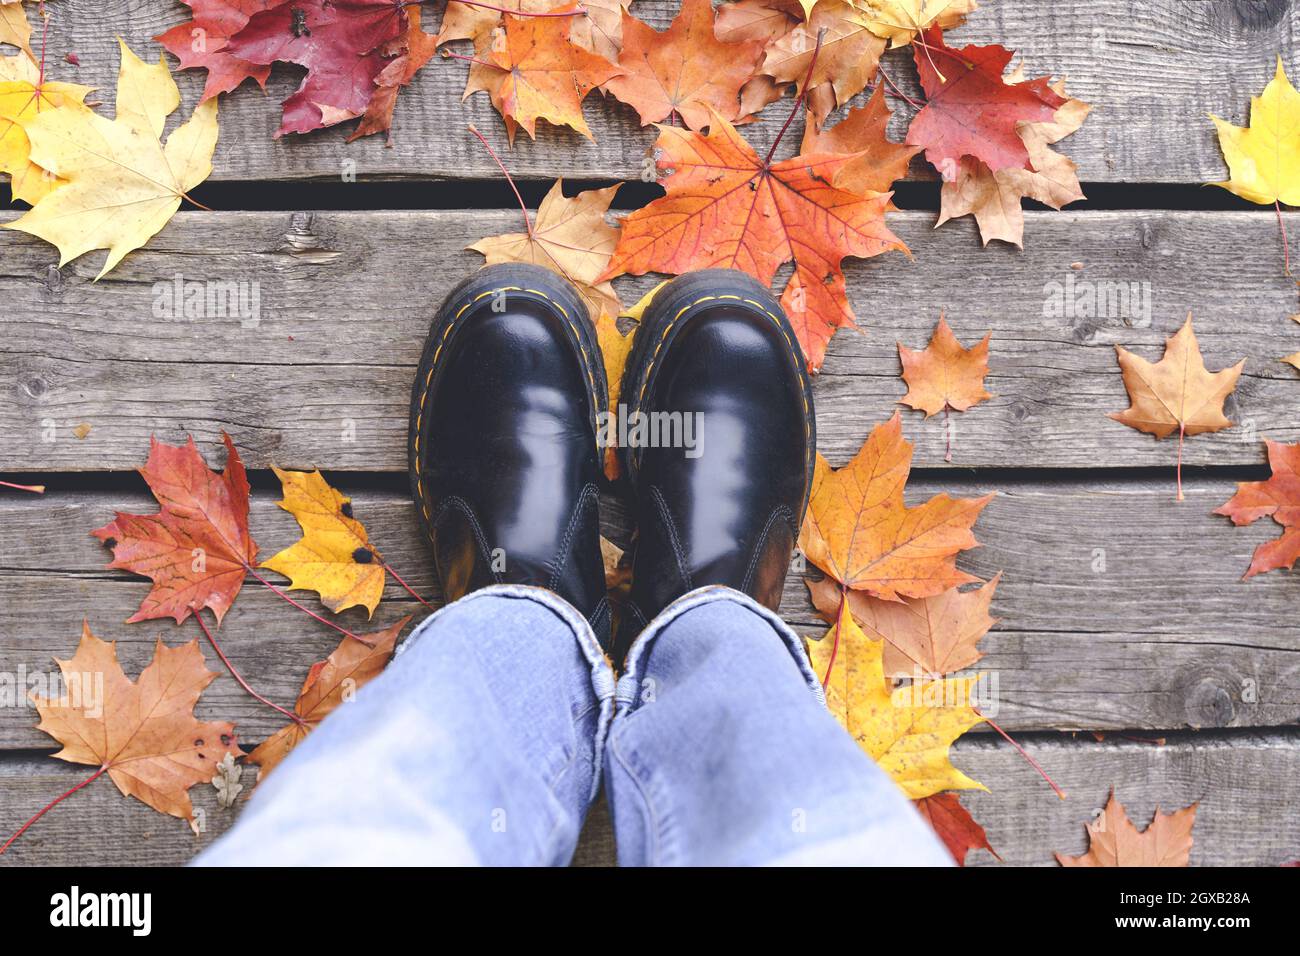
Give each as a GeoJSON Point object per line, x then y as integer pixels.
{"type": "Point", "coordinates": [433, 364]}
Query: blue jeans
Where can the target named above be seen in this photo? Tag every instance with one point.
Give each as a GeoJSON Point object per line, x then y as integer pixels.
{"type": "Point", "coordinates": [485, 742]}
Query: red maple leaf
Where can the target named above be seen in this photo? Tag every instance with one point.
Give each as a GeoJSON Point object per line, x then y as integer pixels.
{"type": "Point", "coordinates": [971, 110]}
{"type": "Point", "coordinates": [340, 42]}
{"type": "Point", "coordinates": [197, 548]}
{"type": "Point", "coordinates": [202, 43]}
{"type": "Point", "coordinates": [954, 825]}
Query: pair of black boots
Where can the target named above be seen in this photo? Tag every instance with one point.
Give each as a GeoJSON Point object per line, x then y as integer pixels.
{"type": "Point", "coordinates": [716, 412]}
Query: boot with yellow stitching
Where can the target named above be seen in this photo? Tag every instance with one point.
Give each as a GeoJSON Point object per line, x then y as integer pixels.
{"type": "Point", "coordinates": [503, 457]}
{"type": "Point", "coordinates": [718, 440]}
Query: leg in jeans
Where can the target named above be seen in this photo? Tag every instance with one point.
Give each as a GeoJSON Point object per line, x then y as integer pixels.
{"type": "Point", "coordinates": [479, 744]}
{"type": "Point", "coordinates": [722, 752]}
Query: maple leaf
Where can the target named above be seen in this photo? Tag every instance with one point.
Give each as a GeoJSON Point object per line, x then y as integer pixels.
{"type": "Point", "coordinates": [615, 347]}
{"type": "Point", "coordinates": [22, 100]}
{"type": "Point", "coordinates": [1264, 157]}
{"type": "Point", "coordinates": [877, 163]}
{"type": "Point", "coordinates": [536, 72]}
{"type": "Point", "coordinates": [933, 636]}
{"type": "Point", "coordinates": [334, 557]}
{"type": "Point", "coordinates": [1279, 498]}
{"type": "Point", "coordinates": [945, 375]}
{"type": "Point", "coordinates": [725, 207]}
{"type": "Point", "coordinates": [410, 54]}
{"type": "Point", "coordinates": [764, 20]}
{"type": "Point", "coordinates": [907, 731]}
{"type": "Point", "coordinates": [14, 28]}
{"type": "Point", "coordinates": [1176, 393]}
{"type": "Point", "coordinates": [971, 110]}
{"type": "Point", "coordinates": [899, 21]}
{"type": "Point", "coordinates": [568, 236]}
{"type": "Point", "coordinates": [329, 683]}
{"type": "Point", "coordinates": [994, 197]}
{"type": "Point", "coordinates": [202, 43]}
{"type": "Point", "coordinates": [122, 185]}
{"type": "Point", "coordinates": [143, 734]}
{"type": "Point", "coordinates": [954, 825]}
{"type": "Point", "coordinates": [340, 42]}
{"type": "Point", "coordinates": [597, 29]}
{"type": "Point", "coordinates": [1113, 840]}
{"type": "Point", "coordinates": [860, 532]}
{"type": "Point", "coordinates": [846, 60]}
{"type": "Point", "coordinates": [685, 71]}
{"type": "Point", "coordinates": [197, 548]}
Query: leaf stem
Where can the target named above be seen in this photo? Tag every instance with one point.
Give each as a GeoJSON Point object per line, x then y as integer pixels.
{"type": "Point", "coordinates": [1286, 247]}
{"type": "Point", "coordinates": [51, 805]}
{"type": "Point", "coordinates": [1021, 750]}
{"type": "Point", "coordinates": [306, 610]}
{"type": "Point", "coordinates": [398, 578]}
{"type": "Point", "coordinates": [239, 678]}
{"type": "Point", "coordinates": [835, 647]}
{"type": "Point", "coordinates": [803, 93]}
{"type": "Point", "coordinates": [947, 431]}
{"type": "Point", "coordinates": [472, 59]}
{"type": "Point", "coordinates": [504, 172]}
{"type": "Point", "coordinates": [898, 92]}
{"type": "Point", "coordinates": [1182, 431]}
{"type": "Point", "coordinates": [34, 489]}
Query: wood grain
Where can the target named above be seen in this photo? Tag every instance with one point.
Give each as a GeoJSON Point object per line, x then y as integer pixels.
{"type": "Point", "coordinates": [1247, 787]}
{"type": "Point", "coordinates": [1153, 71]}
{"type": "Point", "coordinates": [323, 376]}
{"type": "Point", "coordinates": [1120, 607]}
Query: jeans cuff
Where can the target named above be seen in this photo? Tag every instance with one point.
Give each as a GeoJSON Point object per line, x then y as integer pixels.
{"type": "Point", "coordinates": [602, 674]}
{"type": "Point", "coordinates": [629, 683]}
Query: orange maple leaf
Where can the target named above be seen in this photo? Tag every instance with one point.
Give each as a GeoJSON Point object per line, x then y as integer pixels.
{"type": "Point", "coordinates": [1278, 498]}
{"type": "Point", "coordinates": [197, 548]}
{"type": "Point", "coordinates": [728, 208]}
{"type": "Point", "coordinates": [685, 71]}
{"type": "Point", "coordinates": [1177, 392]}
{"type": "Point", "coordinates": [945, 375]}
{"type": "Point", "coordinates": [142, 734]}
{"type": "Point", "coordinates": [1113, 840]}
{"type": "Point", "coordinates": [531, 70]}
{"type": "Point", "coordinates": [410, 54]}
{"type": "Point", "coordinates": [878, 162]}
{"type": "Point", "coordinates": [329, 683]}
{"type": "Point", "coordinates": [860, 531]}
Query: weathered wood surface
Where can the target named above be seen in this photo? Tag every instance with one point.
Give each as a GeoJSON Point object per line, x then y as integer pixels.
{"type": "Point", "coordinates": [1248, 785]}
{"type": "Point", "coordinates": [344, 300]}
{"type": "Point", "coordinates": [1153, 71]}
{"type": "Point", "coordinates": [1120, 607]}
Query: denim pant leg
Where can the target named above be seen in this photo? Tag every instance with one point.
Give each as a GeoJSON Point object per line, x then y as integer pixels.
{"type": "Point", "coordinates": [722, 752]}
{"type": "Point", "coordinates": [480, 743]}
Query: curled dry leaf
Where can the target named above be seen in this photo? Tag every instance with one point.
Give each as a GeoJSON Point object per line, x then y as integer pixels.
{"type": "Point", "coordinates": [907, 731]}
{"type": "Point", "coordinates": [1177, 392]}
{"type": "Point", "coordinates": [329, 683]}
{"type": "Point", "coordinates": [143, 733]}
{"type": "Point", "coordinates": [1113, 840]}
{"type": "Point", "coordinates": [334, 557]}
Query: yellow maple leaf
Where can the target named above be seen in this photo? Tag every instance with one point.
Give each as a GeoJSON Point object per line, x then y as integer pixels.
{"type": "Point", "coordinates": [123, 184]}
{"type": "Point", "coordinates": [907, 731]}
{"type": "Point", "coordinates": [900, 20]}
{"type": "Point", "coordinates": [334, 557]}
{"type": "Point", "coordinates": [22, 100]}
{"type": "Point", "coordinates": [14, 28]}
{"type": "Point", "coordinates": [1264, 157]}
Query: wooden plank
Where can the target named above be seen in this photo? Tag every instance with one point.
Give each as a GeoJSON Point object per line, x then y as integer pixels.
{"type": "Point", "coordinates": [343, 301]}
{"type": "Point", "coordinates": [1120, 608]}
{"type": "Point", "coordinates": [1247, 787]}
{"type": "Point", "coordinates": [1153, 69]}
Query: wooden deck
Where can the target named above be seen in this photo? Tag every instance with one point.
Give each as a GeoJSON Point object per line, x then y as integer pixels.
{"type": "Point", "coordinates": [1123, 616]}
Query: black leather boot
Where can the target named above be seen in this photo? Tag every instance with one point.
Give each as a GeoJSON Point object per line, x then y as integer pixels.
{"type": "Point", "coordinates": [503, 458]}
{"type": "Point", "coordinates": [715, 345]}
